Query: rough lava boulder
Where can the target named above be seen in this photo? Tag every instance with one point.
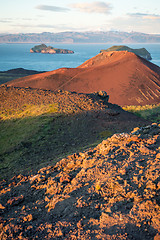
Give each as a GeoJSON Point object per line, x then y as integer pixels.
{"type": "Point", "coordinates": [110, 192]}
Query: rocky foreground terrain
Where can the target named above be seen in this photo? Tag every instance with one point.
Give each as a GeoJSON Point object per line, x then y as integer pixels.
{"type": "Point", "coordinates": [108, 192]}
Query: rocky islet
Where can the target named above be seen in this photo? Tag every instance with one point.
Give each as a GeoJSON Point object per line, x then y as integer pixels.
{"type": "Point", "coordinates": [49, 50]}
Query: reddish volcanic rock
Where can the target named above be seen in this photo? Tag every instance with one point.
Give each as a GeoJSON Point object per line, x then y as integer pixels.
{"type": "Point", "coordinates": [127, 78]}
{"type": "Point", "coordinates": [110, 192]}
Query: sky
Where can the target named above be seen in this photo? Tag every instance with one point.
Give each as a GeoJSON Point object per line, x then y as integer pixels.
{"type": "Point", "coordinates": [36, 16]}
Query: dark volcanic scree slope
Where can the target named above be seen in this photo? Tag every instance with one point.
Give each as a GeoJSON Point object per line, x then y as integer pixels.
{"type": "Point", "coordinates": [126, 77]}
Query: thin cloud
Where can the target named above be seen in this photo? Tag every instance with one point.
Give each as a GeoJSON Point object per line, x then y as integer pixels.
{"type": "Point", "coordinates": [45, 27]}
{"type": "Point", "coordinates": [136, 22]}
{"type": "Point", "coordinates": [14, 20]}
{"type": "Point", "coordinates": [6, 20]}
{"type": "Point", "coordinates": [52, 8]}
{"type": "Point", "coordinates": [39, 25]}
{"type": "Point", "coordinates": [145, 16]}
{"type": "Point", "coordinates": [95, 7]}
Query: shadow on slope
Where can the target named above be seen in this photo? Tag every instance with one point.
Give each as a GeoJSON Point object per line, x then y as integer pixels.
{"type": "Point", "coordinates": [38, 126]}
{"type": "Point", "coordinates": [29, 143]}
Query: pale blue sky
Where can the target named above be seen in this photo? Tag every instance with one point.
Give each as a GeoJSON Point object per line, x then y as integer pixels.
{"type": "Point", "coordinates": [28, 16]}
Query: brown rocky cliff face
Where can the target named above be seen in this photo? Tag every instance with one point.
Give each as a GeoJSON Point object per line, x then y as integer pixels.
{"type": "Point", "coordinates": [109, 192]}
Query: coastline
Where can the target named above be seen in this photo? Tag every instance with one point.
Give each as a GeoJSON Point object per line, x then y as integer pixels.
{"type": "Point", "coordinates": [17, 55]}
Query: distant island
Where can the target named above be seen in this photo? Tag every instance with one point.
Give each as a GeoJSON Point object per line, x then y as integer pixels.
{"type": "Point", "coordinates": [142, 52]}
{"type": "Point", "coordinates": [6, 76]}
{"type": "Point", "coordinates": [42, 48]}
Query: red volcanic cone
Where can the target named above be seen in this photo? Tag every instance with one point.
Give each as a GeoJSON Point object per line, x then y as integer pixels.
{"type": "Point", "coordinates": [126, 77]}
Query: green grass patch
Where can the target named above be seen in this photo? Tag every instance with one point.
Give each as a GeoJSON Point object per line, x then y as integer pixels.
{"type": "Point", "coordinates": [28, 110]}
{"type": "Point", "coordinates": [20, 130]}
{"type": "Point", "coordinates": [105, 134]}
{"type": "Point", "coordinates": [13, 132]}
{"type": "Point", "coordinates": [18, 125]}
{"type": "Point", "coordinates": [148, 112]}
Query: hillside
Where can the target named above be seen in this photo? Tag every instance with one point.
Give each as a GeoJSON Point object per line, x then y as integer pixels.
{"type": "Point", "coordinates": [6, 76]}
{"type": "Point", "coordinates": [38, 127]}
{"type": "Point", "coordinates": [81, 37]}
{"type": "Point", "coordinates": [126, 77]}
{"type": "Point", "coordinates": [74, 165]}
{"type": "Point", "coordinates": [108, 192]}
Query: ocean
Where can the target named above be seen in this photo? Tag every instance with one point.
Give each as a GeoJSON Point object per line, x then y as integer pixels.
{"type": "Point", "coordinates": [19, 56]}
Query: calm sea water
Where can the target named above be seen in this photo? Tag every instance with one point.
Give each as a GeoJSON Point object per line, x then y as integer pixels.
{"type": "Point", "coordinates": [19, 56]}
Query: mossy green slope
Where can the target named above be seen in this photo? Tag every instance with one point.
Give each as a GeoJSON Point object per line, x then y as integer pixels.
{"type": "Point", "coordinates": [148, 112]}
{"type": "Point", "coordinates": [38, 127]}
{"type": "Point", "coordinates": [36, 130]}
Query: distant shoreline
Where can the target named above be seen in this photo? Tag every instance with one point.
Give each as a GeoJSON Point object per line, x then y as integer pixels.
{"type": "Point", "coordinates": [11, 74]}
{"type": "Point", "coordinates": [86, 37]}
